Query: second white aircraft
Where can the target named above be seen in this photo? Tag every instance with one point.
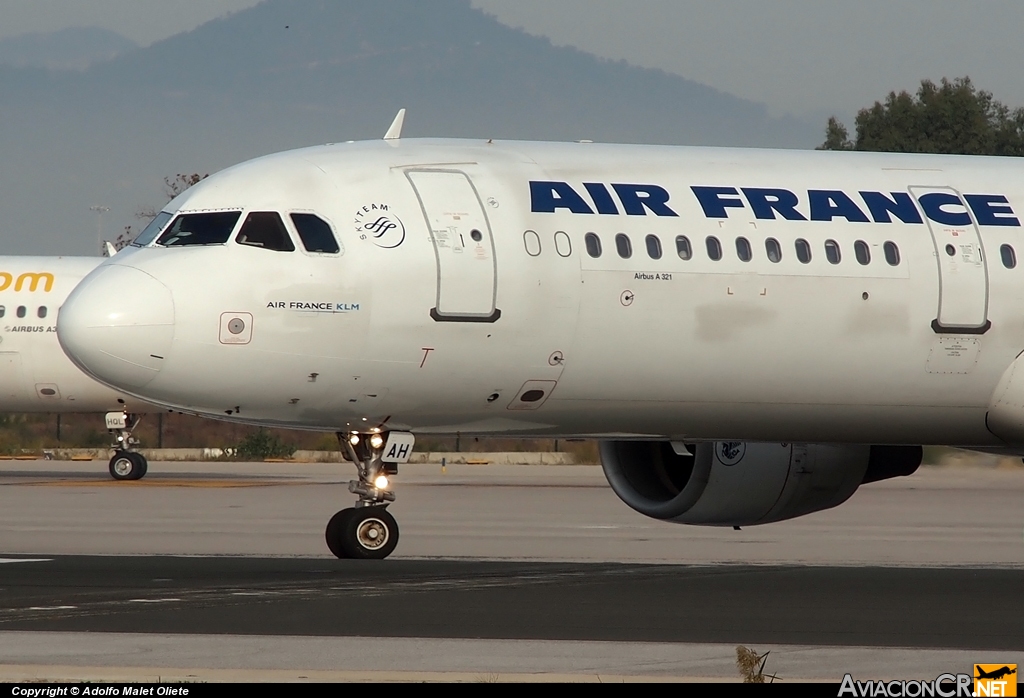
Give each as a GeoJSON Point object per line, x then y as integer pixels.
{"type": "Point", "coordinates": [36, 376]}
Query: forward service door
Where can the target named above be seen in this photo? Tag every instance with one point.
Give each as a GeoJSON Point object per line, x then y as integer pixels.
{"type": "Point", "coordinates": [962, 267]}
{"type": "Point", "coordinates": [467, 272]}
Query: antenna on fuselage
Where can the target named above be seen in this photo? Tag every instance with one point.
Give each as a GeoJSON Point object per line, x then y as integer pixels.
{"type": "Point", "coordinates": [395, 132]}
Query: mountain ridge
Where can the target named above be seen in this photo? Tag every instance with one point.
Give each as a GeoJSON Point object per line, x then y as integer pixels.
{"type": "Point", "coordinates": [289, 73]}
{"type": "Point", "coordinates": [73, 48]}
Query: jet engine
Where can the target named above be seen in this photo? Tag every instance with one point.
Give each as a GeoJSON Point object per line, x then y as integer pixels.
{"type": "Point", "coordinates": [742, 484]}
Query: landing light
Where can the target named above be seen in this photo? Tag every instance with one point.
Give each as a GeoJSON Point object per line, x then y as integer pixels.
{"type": "Point", "coordinates": [354, 439]}
{"type": "Point", "coordinates": [381, 483]}
{"type": "Point", "coordinates": [376, 441]}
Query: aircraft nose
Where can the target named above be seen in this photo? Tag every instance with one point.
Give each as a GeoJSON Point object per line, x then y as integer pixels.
{"type": "Point", "coordinates": [118, 326]}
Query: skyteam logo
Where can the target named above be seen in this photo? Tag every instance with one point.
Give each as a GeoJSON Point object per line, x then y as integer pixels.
{"type": "Point", "coordinates": [379, 225]}
{"type": "Point", "coordinates": [730, 452]}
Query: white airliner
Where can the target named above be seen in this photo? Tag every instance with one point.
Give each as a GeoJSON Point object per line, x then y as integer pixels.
{"type": "Point", "coordinates": [35, 375]}
{"type": "Point", "coordinates": [752, 334]}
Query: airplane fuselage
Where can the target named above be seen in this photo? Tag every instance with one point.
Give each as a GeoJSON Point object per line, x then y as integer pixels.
{"type": "Point", "coordinates": [582, 289]}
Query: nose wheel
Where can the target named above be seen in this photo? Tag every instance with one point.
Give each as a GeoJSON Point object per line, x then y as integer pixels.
{"type": "Point", "coordinates": [126, 464]}
{"type": "Point", "coordinates": [368, 531]}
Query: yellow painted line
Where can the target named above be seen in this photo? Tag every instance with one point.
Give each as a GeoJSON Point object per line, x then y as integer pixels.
{"type": "Point", "coordinates": [478, 462]}
{"type": "Point", "coordinates": [199, 484]}
{"type": "Point", "coordinates": [74, 458]}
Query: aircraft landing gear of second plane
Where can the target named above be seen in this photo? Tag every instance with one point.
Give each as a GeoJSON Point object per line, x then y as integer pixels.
{"type": "Point", "coordinates": [126, 464]}
{"type": "Point", "coordinates": [368, 531]}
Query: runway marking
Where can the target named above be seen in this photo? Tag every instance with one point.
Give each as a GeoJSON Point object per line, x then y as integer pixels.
{"type": "Point", "coordinates": [4, 560]}
{"type": "Point", "coordinates": [50, 608]}
{"type": "Point", "coordinates": [152, 600]}
{"type": "Point", "coordinates": [198, 484]}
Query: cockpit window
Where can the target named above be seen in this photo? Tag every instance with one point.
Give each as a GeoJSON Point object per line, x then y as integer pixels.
{"type": "Point", "coordinates": [154, 228]}
{"type": "Point", "coordinates": [200, 229]}
{"type": "Point", "coordinates": [266, 230]}
{"type": "Point", "coordinates": [316, 233]}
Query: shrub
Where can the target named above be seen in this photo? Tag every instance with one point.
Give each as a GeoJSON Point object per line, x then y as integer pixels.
{"type": "Point", "coordinates": [262, 444]}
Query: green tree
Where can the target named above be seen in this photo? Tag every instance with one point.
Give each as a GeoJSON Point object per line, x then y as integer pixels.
{"type": "Point", "coordinates": [953, 117]}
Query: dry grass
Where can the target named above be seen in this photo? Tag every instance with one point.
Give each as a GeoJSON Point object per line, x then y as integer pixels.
{"type": "Point", "coordinates": [751, 665]}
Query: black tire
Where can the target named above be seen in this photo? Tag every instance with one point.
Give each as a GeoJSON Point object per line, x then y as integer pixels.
{"type": "Point", "coordinates": [335, 533]}
{"type": "Point", "coordinates": [371, 533]}
{"type": "Point", "coordinates": [143, 464]}
{"type": "Point", "coordinates": [123, 466]}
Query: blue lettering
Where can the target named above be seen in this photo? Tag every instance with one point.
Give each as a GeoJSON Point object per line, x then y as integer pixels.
{"type": "Point", "coordinates": [635, 197]}
{"type": "Point", "coordinates": [714, 205]}
{"type": "Point", "coordinates": [602, 198]}
{"type": "Point", "coordinates": [766, 202]}
{"type": "Point", "coordinates": [934, 203]}
{"type": "Point", "coordinates": [988, 214]}
{"type": "Point", "coordinates": [826, 205]}
{"type": "Point", "coordinates": [548, 196]}
{"type": "Point", "coordinates": [900, 205]}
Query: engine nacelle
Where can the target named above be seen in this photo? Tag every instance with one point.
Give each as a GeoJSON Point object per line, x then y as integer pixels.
{"type": "Point", "coordinates": [742, 484]}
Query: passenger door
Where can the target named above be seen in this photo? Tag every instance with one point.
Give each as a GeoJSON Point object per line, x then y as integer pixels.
{"type": "Point", "coordinates": [962, 267]}
{"type": "Point", "coordinates": [12, 380]}
{"type": "Point", "coordinates": [467, 272]}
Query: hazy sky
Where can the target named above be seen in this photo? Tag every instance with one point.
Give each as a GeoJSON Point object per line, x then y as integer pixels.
{"type": "Point", "coordinates": [802, 56]}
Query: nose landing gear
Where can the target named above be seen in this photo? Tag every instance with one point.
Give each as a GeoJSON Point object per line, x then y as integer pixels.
{"type": "Point", "coordinates": [368, 531]}
{"type": "Point", "coordinates": [126, 464]}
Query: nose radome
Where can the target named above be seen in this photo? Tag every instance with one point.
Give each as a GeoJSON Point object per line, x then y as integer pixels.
{"type": "Point", "coordinates": [118, 326]}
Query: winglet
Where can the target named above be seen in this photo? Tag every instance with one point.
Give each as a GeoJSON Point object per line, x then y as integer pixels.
{"type": "Point", "coordinates": [111, 250]}
{"type": "Point", "coordinates": [395, 132]}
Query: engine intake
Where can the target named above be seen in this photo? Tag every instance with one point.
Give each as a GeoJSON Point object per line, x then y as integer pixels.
{"type": "Point", "coordinates": [742, 484]}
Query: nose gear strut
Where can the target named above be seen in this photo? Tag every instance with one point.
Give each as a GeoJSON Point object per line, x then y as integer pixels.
{"type": "Point", "coordinates": [126, 463]}
{"type": "Point", "coordinates": [368, 531]}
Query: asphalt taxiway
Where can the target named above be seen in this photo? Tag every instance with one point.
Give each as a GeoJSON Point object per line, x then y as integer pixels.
{"type": "Point", "coordinates": [217, 571]}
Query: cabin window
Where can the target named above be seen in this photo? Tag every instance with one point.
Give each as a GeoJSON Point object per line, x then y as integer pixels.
{"type": "Point", "coordinates": [623, 246]}
{"type": "Point", "coordinates": [41, 312]}
{"type": "Point", "coordinates": [200, 229]}
{"type": "Point", "coordinates": [773, 249]}
{"type": "Point", "coordinates": [892, 254]}
{"type": "Point", "coordinates": [531, 240]}
{"type": "Point", "coordinates": [315, 233]}
{"type": "Point", "coordinates": [265, 230]}
{"type": "Point", "coordinates": [653, 247]}
{"type": "Point", "coordinates": [22, 311]}
{"type": "Point", "coordinates": [743, 249]}
{"type": "Point", "coordinates": [593, 244]}
{"type": "Point", "coordinates": [3, 310]}
{"type": "Point", "coordinates": [862, 252]}
{"type": "Point", "coordinates": [832, 252]}
{"type": "Point", "coordinates": [803, 251]}
{"type": "Point", "coordinates": [154, 228]}
{"type": "Point", "coordinates": [683, 248]}
{"type": "Point", "coordinates": [714, 248]}
{"type": "Point", "coordinates": [1009, 256]}
{"type": "Point", "coordinates": [563, 245]}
